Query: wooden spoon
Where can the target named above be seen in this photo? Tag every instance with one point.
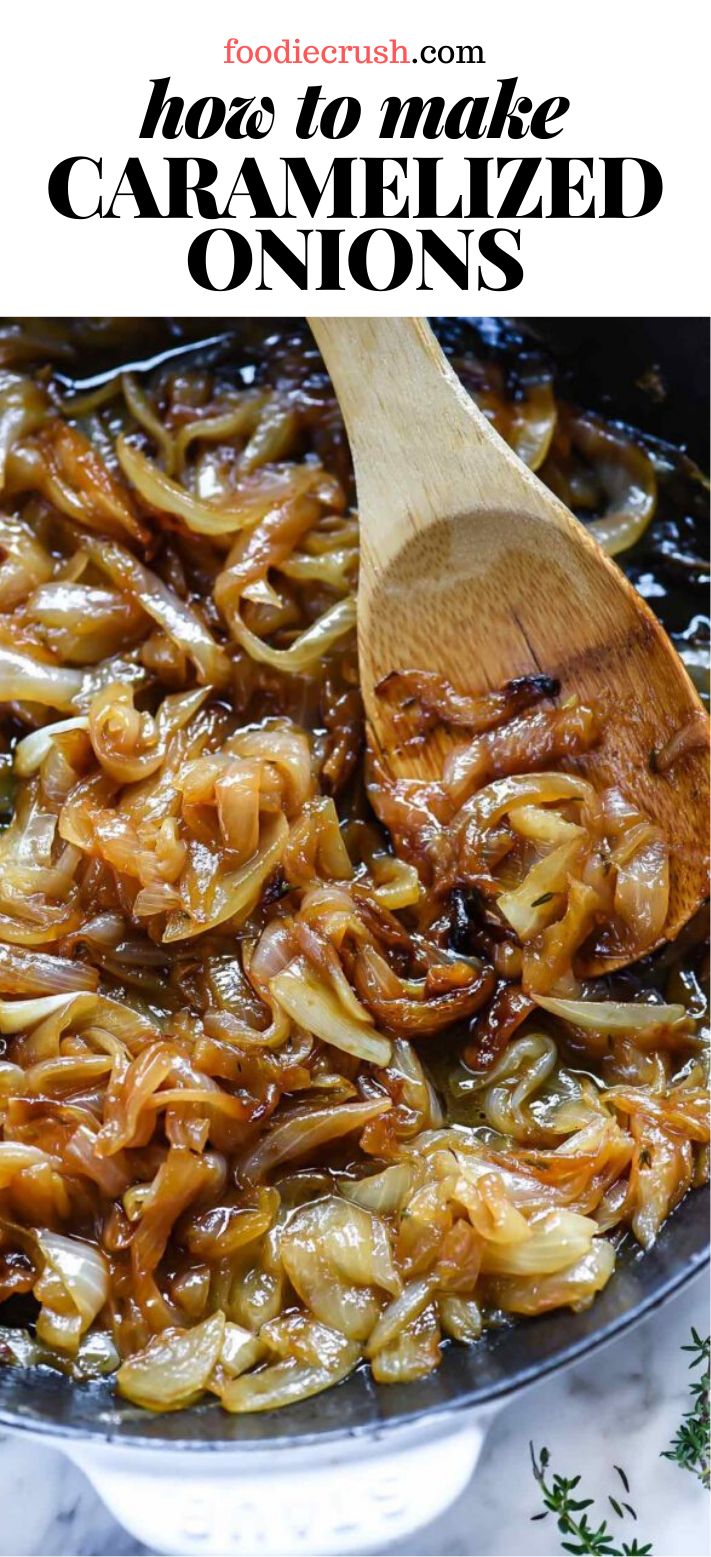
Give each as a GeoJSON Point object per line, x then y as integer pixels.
{"type": "Point", "coordinates": [471, 567]}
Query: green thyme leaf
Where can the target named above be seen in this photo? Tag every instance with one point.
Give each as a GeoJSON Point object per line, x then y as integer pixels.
{"type": "Point", "coordinates": [582, 1538]}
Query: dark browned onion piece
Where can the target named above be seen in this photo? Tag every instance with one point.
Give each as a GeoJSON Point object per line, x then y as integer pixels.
{"type": "Point", "coordinates": [492, 1031]}
{"type": "Point", "coordinates": [434, 700]}
{"type": "Point", "coordinates": [450, 993]}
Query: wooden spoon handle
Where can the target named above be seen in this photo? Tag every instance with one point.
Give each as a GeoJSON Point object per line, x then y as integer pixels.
{"type": "Point", "coordinates": [421, 447]}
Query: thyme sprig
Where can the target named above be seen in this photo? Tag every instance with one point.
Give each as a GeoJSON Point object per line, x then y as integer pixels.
{"type": "Point", "coordinates": [558, 1493]}
{"type": "Point", "coordinates": [691, 1445]}
{"type": "Point", "coordinates": [690, 1449]}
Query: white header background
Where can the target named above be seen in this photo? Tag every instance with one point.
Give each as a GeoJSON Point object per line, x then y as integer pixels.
{"type": "Point", "coordinates": [76, 81]}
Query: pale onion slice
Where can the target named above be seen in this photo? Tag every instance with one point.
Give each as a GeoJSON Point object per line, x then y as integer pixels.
{"type": "Point", "coordinates": [24, 973]}
{"type": "Point", "coordinates": [249, 502]}
{"type": "Point", "coordinates": [642, 886]}
{"type": "Point", "coordinates": [73, 1288]}
{"type": "Point", "coordinates": [31, 751]}
{"type": "Point", "coordinates": [12, 1078]}
{"type": "Point", "coordinates": [17, 1015]}
{"type": "Point", "coordinates": [627, 475]}
{"type": "Point", "coordinates": [315, 1007]}
{"type": "Point", "coordinates": [273, 436]}
{"type": "Point", "coordinates": [397, 884]}
{"type": "Point", "coordinates": [320, 817]}
{"type": "Point", "coordinates": [612, 1016]}
{"type": "Point", "coordinates": [338, 1259]}
{"type": "Point", "coordinates": [542, 826]}
{"type": "Point", "coordinates": [96, 1356]}
{"type": "Point", "coordinates": [240, 419]}
{"type": "Point", "coordinates": [309, 648]}
{"type": "Point", "coordinates": [21, 1350]}
{"type": "Point", "coordinates": [414, 1353]}
{"type": "Point", "coordinates": [85, 623]}
{"type": "Point", "coordinates": [140, 407]}
{"type": "Point", "coordinates": [487, 807]}
{"type": "Point", "coordinates": [460, 1317]}
{"type": "Point", "coordinates": [130, 746]}
{"type": "Point", "coordinates": [574, 1287]}
{"type": "Point", "coordinates": [305, 1129]}
{"type": "Point", "coordinates": [282, 1383]}
{"type": "Point", "coordinates": [15, 1156]}
{"type": "Point", "coordinates": [23, 408]}
{"type": "Point", "coordinates": [25, 680]}
{"type": "Point", "coordinates": [556, 1239]}
{"type": "Point", "coordinates": [418, 1093]}
{"type": "Point", "coordinates": [400, 1313]}
{"type": "Point", "coordinates": [261, 592]}
{"type": "Point", "coordinates": [174, 1368]}
{"type": "Point", "coordinates": [81, 1268]}
{"type": "Point", "coordinates": [337, 568]}
{"type": "Point", "coordinates": [240, 1350]}
{"type": "Point", "coordinates": [491, 1211]}
{"type": "Point", "coordinates": [532, 905]}
{"type": "Point", "coordinates": [159, 489]}
{"type": "Point", "coordinates": [26, 564]}
{"type": "Point", "coordinates": [522, 1070]}
{"type": "Point", "coordinates": [288, 748]}
{"type": "Point", "coordinates": [383, 1192]}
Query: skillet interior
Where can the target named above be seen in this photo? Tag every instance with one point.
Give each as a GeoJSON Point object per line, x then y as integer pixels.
{"type": "Point", "coordinates": [603, 361]}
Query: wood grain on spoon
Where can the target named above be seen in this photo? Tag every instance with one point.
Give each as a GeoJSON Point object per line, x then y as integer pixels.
{"type": "Point", "coordinates": [472, 568]}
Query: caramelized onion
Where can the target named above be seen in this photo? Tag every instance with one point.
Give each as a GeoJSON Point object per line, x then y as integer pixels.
{"type": "Point", "coordinates": [448, 994]}
{"type": "Point", "coordinates": [314, 1006]}
{"type": "Point", "coordinates": [62, 464]}
{"type": "Point", "coordinates": [288, 1083]}
{"type": "Point", "coordinates": [26, 563]}
{"type": "Point", "coordinates": [73, 1288]}
{"type": "Point", "coordinates": [309, 648]}
{"type": "Point", "coordinates": [437, 700]}
{"type": "Point", "coordinates": [627, 476]}
{"type": "Point", "coordinates": [338, 1259]}
{"type": "Point", "coordinates": [24, 679]}
{"type": "Point", "coordinates": [613, 1016]}
{"type": "Point", "coordinates": [174, 1368]}
{"type": "Point", "coordinates": [305, 1130]}
{"type": "Point", "coordinates": [283, 1383]}
{"type": "Point", "coordinates": [179, 620]}
{"type": "Point", "coordinates": [244, 505]}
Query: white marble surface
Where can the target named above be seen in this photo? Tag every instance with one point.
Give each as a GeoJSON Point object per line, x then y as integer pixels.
{"type": "Point", "coordinates": [620, 1407]}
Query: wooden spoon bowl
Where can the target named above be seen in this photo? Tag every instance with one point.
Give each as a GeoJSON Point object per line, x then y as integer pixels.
{"type": "Point", "coordinates": [472, 568]}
